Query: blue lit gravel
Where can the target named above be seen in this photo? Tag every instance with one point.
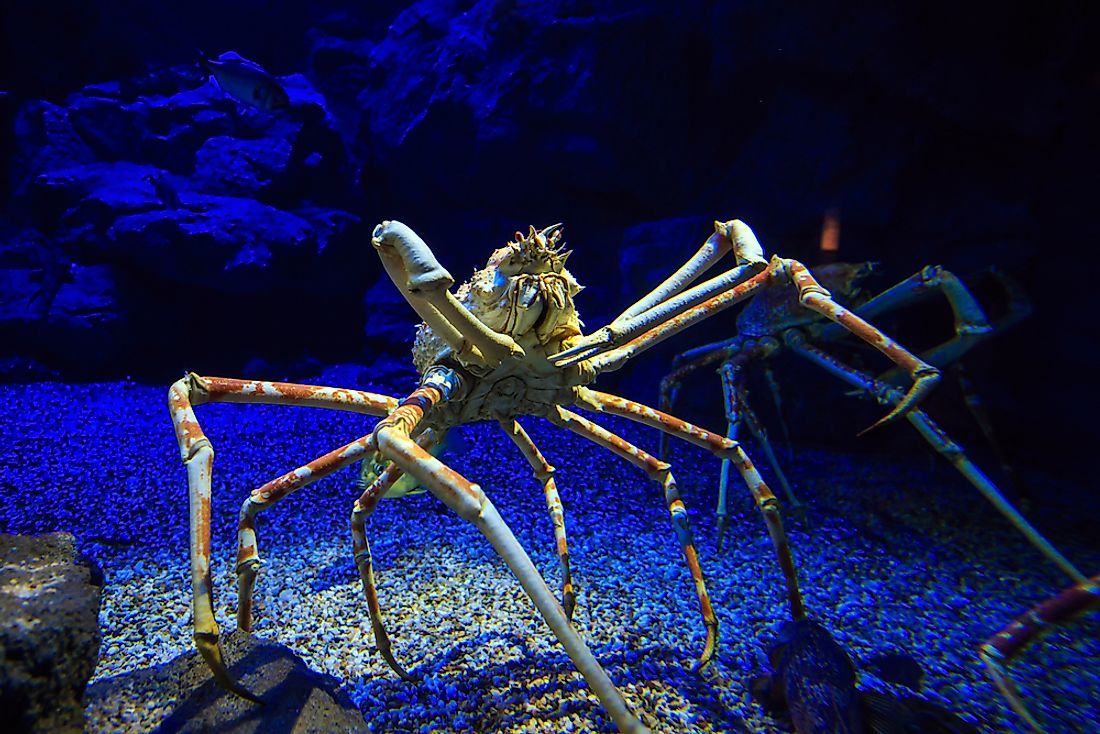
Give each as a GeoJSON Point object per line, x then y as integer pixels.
{"type": "Point", "coordinates": [902, 554]}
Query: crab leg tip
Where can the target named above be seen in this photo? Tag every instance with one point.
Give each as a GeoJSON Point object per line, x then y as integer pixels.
{"type": "Point", "coordinates": [926, 380]}
{"type": "Point", "coordinates": [211, 652]}
{"type": "Point", "coordinates": [710, 648]}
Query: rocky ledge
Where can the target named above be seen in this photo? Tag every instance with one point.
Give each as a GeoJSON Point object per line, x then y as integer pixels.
{"type": "Point", "coordinates": [49, 632]}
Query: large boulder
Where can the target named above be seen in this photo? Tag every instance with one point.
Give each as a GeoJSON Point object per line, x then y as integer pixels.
{"type": "Point", "coordinates": [55, 311]}
{"type": "Point", "coordinates": [181, 695]}
{"type": "Point", "coordinates": [138, 198]}
{"type": "Point", "coordinates": [49, 632]}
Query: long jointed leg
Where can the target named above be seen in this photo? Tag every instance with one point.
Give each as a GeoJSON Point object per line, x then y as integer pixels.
{"type": "Point", "coordinates": [778, 272]}
{"type": "Point", "coordinates": [942, 443]}
{"type": "Point", "coordinates": [671, 298]}
{"type": "Point", "coordinates": [924, 376]}
{"type": "Point", "coordinates": [471, 504]}
{"type": "Point", "coordinates": [545, 474]}
{"type": "Point", "coordinates": [198, 457]}
{"type": "Point", "coordinates": [739, 411]}
{"type": "Point", "coordinates": [970, 319]}
{"type": "Point", "coordinates": [659, 472]}
{"type": "Point", "coordinates": [998, 651]}
{"type": "Point", "coordinates": [364, 562]}
{"type": "Point", "coordinates": [722, 448]}
{"type": "Point", "coordinates": [736, 351]}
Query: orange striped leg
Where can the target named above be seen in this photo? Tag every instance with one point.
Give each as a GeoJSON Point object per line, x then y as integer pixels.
{"type": "Point", "coordinates": [659, 472]}
{"type": "Point", "coordinates": [723, 448]}
{"type": "Point", "coordinates": [998, 651]}
{"type": "Point", "coordinates": [198, 456]}
{"type": "Point", "coordinates": [925, 377]}
{"type": "Point", "coordinates": [470, 503]}
{"type": "Point", "coordinates": [545, 474]}
{"type": "Point", "coordinates": [364, 562]}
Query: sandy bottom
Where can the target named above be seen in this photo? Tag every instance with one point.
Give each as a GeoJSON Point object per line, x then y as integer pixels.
{"type": "Point", "coordinates": [897, 554]}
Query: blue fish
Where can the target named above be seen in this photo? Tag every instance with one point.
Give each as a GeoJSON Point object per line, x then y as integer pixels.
{"type": "Point", "coordinates": [246, 81]}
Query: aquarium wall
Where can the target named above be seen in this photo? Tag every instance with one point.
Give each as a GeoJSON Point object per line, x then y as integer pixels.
{"type": "Point", "coordinates": [153, 222]}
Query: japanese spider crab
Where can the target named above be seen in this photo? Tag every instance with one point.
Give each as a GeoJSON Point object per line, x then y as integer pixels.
{"type": "Point", "coordinates": [509, 344]}
{"type": "Point", "coordinates": [775, 322]}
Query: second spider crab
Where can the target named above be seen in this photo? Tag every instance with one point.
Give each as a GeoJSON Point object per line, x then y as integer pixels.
{"type": "Point", "coordinates": [507, 345]}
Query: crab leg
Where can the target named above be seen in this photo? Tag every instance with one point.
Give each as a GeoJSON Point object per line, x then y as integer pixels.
{"type": "Point", "coordinates": [667, 300]}
{"type": "Point", "coordinates": [470, 503]}
{"type": "Point", "coordinates": [659, 472]}
{"type": "Point", "coordinates": [970, 332]}
{"type": "Point", "coordinates": [941, 442]}
{"type": "Point", "coordinates": [738, 410]}
{"type": "Point", "coordinates": [613, 359]}
{"type": "Point", "coordinates": [544, 472]}
{"type": "Point", "coordinates": [969, 316]}
{"type": "Point", "coordinates": [722, 448]}
{"type": "Point", "coordinates": [198, 456]}
{"type": "Point", "coordinates": [711, 251]}
{"type": "Point", "coordinates": [364, 562]}
{"type": "Point", "coordinates": [924, 376]}
{"type": "Point", "coordinates": [736, 351]}
{"type": "Point", "coordinates": [976, 406]}
{"type": "Point", "coordinates": [999, 650]}
{"type": "Point", "coordinates": [812, 296]}
{"type": "Point", "coordinates": [424, 282]}
{"type": "Point", "coordinates": [971, 323]}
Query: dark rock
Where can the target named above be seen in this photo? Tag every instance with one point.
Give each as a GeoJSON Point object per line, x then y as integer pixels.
{"type": "Point", "coordinates": [391, 321]}
{"type": "Point", "coordinates": [54, 311]}
{"type": "Point", "coordinates": [21, 369]}
{"type": "Point", "coordinates": [229, 244]}
{"type": "Point", "coordinates": [45, 140]}
{"type": "Point", "coordinates": [112, 129]}
{"type": "Point", "coordinates": [181, 696]}
{"type": "Point", "coordinates": [233, 167]}
{"type": "Point", "coordinates": [92, 195]}
{"type": "Point", "coordinates": [160, 188]}
{"type": "Point", "coordinates": [49, 632]}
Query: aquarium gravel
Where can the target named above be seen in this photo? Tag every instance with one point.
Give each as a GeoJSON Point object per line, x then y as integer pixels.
{"type": "Point", "coordinates": [897, 553]}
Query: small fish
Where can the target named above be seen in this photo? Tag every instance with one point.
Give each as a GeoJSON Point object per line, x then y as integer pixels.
{"type": "Point", "coordinates": [246, 81]}
{"type": "Point", "coordinates": [452, 443]}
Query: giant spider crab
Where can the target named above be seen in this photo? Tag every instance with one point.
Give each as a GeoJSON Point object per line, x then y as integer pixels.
{"type": "Point", "coordinates": [775, 322]}
{"type": "Point", "coordinates": [509, 344]}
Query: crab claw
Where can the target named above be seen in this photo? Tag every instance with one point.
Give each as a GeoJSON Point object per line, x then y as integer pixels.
{"type": "Point", "coordinates": [211, 652]}
{"type": "Point", "coordinates": [925, 380]}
